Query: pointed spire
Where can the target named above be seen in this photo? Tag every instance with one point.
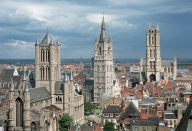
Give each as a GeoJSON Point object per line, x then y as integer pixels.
{"type": "Point", "coordinates": [26, 87]}
{"type": "Point", "coordinates": [148, 27]}
{"type": "Point", "coordinates": [96, 39]}
{"type": "Point", "coordinates": [110, 39]}
{"type": "Point", "coordinates": [103, 23]}
{"type": "Point", "coordinates": [66, 79]}
{"type": "Point", "coordinates": [12, 85]}
{"type": "Point", "coordinates": [157, 27]}
{"type": "Point", "coordinates": [58, 43]}
{"type": "Point", "coordinates": [51, 42]}
{"type": "Point", "coordinates": [174, 58]}
{"type": "Point", "coordinates": [71, 77]}
{"type": "Point", "coordinates": [36, 42]}
{"type": "Point", "coordinates": [24, 76]}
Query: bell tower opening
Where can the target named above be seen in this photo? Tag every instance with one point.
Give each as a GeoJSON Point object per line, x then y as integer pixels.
{"type": "Point", "coordinates": [19, 112]}
{"type": "Point", "coordinates": [152, 77]}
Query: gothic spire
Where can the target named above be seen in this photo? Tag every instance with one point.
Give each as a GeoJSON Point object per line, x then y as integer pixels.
{"type": "Point", "coordinates": [58, 43]}
{"type": "Point", "coordinates": [24, 76]}
{"type": "Point", "coordinates": [103, 23]}
{"type": "Point", "coordinates": [12, 85]}
{"type": "Point", "coordinates": [65, 79]}
{"type": "Point", "coordinates": [26, 87]}
{"type": "Point", "coordinates": [103, 36]}
{"type": "Point", "coordinates": [36, 42]}
{"type": "Point", "coordinates": [71, 77]}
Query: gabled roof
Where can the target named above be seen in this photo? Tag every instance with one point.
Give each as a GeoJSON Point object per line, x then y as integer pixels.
{"type": "Point", "coordinates": [167, 62]}
{"type": "Point", "coordinates": [170, 84]}
{"type": "Point", "coordinates": [16, 79]}
{"type": "Point", "coordinates": [9, 72]}
{"type": "Point", "coordinates": [112, 109]}
{"type": "Point", "coordinates": [34, 112]}
{"type": "Point", "coordinates": [39, 94]}
{"type": "Point", "coordinates": [131, 109]}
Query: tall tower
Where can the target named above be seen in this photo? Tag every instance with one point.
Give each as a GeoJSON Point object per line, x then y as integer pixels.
{"type": "Point", "coordinates": [153, 59]}
{"type": "Point", "coordinates": [103, 64]}
{"type": "Point", "coordinates": [47, 63]}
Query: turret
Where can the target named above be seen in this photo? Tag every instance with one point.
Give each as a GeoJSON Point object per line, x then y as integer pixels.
{"type": "Point", "coordinates": [66, 77]}
{"type": "Point", "coordinates": [71, 76]}
{"type": "Point", "coordinates": [12, 85]}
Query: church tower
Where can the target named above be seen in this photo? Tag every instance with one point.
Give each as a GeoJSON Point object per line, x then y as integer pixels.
{"type": "Point", "coordinates": [47, 63]}
{"type": "Point", "coordinates": [153, 59]}
{"type": "Point", "coordinates": [103, 65]}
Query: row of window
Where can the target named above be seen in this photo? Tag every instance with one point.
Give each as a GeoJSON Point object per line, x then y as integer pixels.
{"type": "Point", "coordinates": [44, 55]}
{"type": "Point", "coordinates": [102, 68]}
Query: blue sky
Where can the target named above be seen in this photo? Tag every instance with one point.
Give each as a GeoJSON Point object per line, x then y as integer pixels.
{"type": "Point", "coordinates": [76, 23]}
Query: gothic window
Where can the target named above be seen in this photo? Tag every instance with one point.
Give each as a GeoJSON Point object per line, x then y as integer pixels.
{"type": "Point", "coordinates": [150, 53]}
{"type": "Point", "coordinates": [42, 55]}
{"type": "Point", "coordinates": [33, 126]}
{"type": "Point", "coordinates": [42, 73]}
{"type": "Point", "coordinates": [47, 72]}
{"type": "Point", "coordinates": [152, 40]}
{"type": "Point", "coordinates": [99, 50]}
{"type": "Point", "coordinates": [103, 68]}
{"type": "Point", "coordinates": [97, 67]}
{"type": "Point", "coordinates": [5, 126]}
{"type": "Point", "coordinates": [109, 52]}
{"type": "Point", "coordinates": [150, 65]}
{"type": "Point", "coordinates": [19, 112]}
{"type": "Point", "coordinates": [168, 69]}
{"type": "Point", "coordinates": [154, 53]}
{"type": "Point", "coordinates": [172, 69]}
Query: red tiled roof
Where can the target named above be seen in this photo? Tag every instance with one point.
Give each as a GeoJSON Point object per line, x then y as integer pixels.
{"type": "Point", "coordinates": [146, 115]}
{"type": "Point", "coordinates": [169, 85]}
{"type": "Point", "coordinates": [98, 128]}
{"type": "Point", "coordinates": [138, 94]}
{"type": "Point", "coordinates": [127, 92]}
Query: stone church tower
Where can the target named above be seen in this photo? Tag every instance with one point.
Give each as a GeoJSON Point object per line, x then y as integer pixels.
{"type": "Point", "coordinates": [47, 63]}
{"type": "Point", "coordinates": [153, 59]}
{"type": "Point", "coordinates": [103, 65]}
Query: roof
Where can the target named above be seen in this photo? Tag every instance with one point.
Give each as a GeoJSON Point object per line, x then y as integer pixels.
{"type": "Point", "coordinates": [39, 94]}
{"type": "Point", "coordinates": [131, 109]}
{"type": "Point", "coordinates": [16, 79]}
{"type": "Point", "coordinates": [112, 109]}
{"type": "Point", "coordinates": [169, 116]}
{"type": "Point", "coordinates": [115, 100]}
{"type": "Point", "coordinates": [167, 62]}
{"type": "Point", "coordinates": [163, 62]}
{"type": "Point", "coordinates": [35, 112]}
{"type": "Point", "coordinates": [148, 100]}
{"type": "Point", "coordinates": [89, 82]}
{"type": "Point", "coordinates": [59, 87]}
{"type": "Point", "coordinates": [9, 72]}
{"type": "Point", "coordinates": [47, 39]}
{"type": "Point", "coordinates": [143, 123]}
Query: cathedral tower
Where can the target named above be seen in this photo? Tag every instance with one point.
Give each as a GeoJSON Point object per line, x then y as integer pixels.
{"type": "Point", "coordinates": [103, 64]}
{"type": "Point", "coordinates": [47, 63]}
{"type": "Point", "coordinates": [153, 59]}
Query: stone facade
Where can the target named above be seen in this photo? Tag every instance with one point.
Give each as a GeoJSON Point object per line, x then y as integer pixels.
{"type": "Point", "coordinates": [103, 65]}
{"type": "Point", "coordinates": [39, 108]}
{"type": "Point", "coordinates": [153, 68]}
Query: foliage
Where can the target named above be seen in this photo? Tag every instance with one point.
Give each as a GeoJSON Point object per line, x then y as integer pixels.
{"type": "Point", "coordinates": [116, 70]}
{"type": "Point", "coordinates": [109, 126]}
{"type": "Point", "coordinates": [65, 122]}
{"type": "Point", "coordinates": [89, 107]}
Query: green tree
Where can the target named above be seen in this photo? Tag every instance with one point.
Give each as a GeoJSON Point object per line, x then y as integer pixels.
{"type": "Point", "coordinates": [109, 126]}
{"type": "Point", "coordinates": [79, 92]}
{"type": "Point", "coordinates": [65, 122]}
{"type": "Point", "coordinates": [89, 107]}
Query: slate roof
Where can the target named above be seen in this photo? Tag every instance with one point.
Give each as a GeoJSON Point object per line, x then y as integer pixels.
{"type": "Point", "coordinates": [59, 87]}
{"type": "Point", "coordinates": [39, 94]}
{"type": "Point", "coordinates": [143, 123]}
{"type": "Point", "coordinates": [148, 100]}
{"type": "Point", "coordinates": [112, 109]}
{"type": "Point", "coordinates": [163, 63]}
{"type": "Point", "coordinates": [47, 39]}
{"type": "Point", "coordinates": [131, 109]}
{"type": "Point", "coordinates": [9, 72]}
{"type": "Point", "coordinates": [167, 62]}
{"type": "Point", "coordinates": [7, 79]}
{"type": "Point", "coordinates": [86, 71]}
{"type": "Point", "coordinates": [35, 112]}
{"type": "Point", "coordinates": [89, 82]}
{"type": "Point", "coordinates": [32, 75]}
{"type": "Point", "coordinates": [169, 116]}
{"type": "Point", "coordinates": [22, 72]}
{"type": "Point", "coordinates": [31, 84]}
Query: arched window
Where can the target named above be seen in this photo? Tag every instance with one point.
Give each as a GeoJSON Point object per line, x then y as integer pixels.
{"type": "Point", "coordinates": [109, 51]}
{"type": "Point", "coordinates": [42, 73]}
{"type": "Point", "coordinates": [42, 55]}
{"type": "Point", "coordinates": [19, 112]}
{"type": "Point", "coordinates": [150, 53]}
{"type": "Point", "coordinates": [97, 67]}
{"type": "Point", "coordinates": [99, 50]}
{"type": "Point", "coordinates": [5, 125]}
{"type": "Point", "coordinates": [152, 39]}
{"type": "Point", "coordinates": [33, 126]}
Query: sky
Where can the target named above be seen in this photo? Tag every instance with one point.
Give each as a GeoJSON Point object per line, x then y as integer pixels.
{"type": "Point", "coordinates": [76, 23]}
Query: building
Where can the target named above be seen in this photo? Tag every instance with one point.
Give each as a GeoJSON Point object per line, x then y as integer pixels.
{"type": "Point", "coordinates": [39, 108]}
{"type": "Point", "coordinates": [153, 68]}
{"type": "Point", "coordinates": [104, 77]}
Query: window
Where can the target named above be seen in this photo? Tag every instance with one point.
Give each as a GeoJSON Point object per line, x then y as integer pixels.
{"type": "Point", "coordinates": [136, 128]}
{"type": "Point", "coordinates": [111, 114]}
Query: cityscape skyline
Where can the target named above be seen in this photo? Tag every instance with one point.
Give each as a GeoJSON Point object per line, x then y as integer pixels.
{"type": "Point", "coordinates": [126, 22]}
